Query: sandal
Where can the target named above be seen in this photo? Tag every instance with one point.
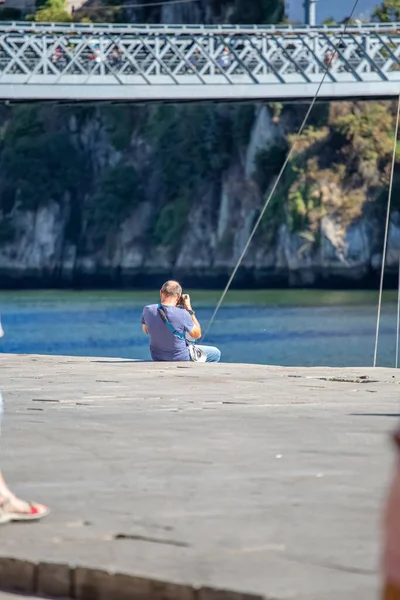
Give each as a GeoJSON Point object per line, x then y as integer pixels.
{"type": "Point", "coordinates": [8, 512]}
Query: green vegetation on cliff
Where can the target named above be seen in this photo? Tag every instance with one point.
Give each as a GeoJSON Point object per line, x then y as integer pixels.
{"type": "Point", "coordinates": [388, 11]}
{"type": "Point", "coordinates": [38, 160]}
{"type": "Point", "coordinates": [52, 11]}
{"type": "Point", "coordinates": [339, 167]}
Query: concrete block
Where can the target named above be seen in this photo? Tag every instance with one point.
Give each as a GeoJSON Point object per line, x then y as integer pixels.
{"type": "Point", "coordinates": [17, 575]}
{"type": "Point", "coordinates": [206, 593]}
{"type": "Point", "coordinates": [92, 584]}
{"type": "Point", "coordinates": [127, 587]}
{"type": "Point", "coordinates": [54, 580]}
{"type": "Point", "coordinates": [171, 591]}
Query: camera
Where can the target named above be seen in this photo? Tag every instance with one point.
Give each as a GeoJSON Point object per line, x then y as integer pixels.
{"type": "Point", "coordinates": [181, 300]}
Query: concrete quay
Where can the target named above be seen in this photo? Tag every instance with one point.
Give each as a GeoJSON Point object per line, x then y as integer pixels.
{"type": "Point", "coordinates": [267, 481]}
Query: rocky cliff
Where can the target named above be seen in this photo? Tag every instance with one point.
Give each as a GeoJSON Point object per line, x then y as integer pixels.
{"type": "Point", "coordinates": [129, 195]}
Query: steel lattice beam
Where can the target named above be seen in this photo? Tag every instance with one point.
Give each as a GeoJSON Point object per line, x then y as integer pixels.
{"type": "Point", "coordinates": [130, 62]}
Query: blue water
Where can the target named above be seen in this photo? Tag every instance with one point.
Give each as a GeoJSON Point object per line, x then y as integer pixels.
{"type": "Point", "coordinates": [334, 335]}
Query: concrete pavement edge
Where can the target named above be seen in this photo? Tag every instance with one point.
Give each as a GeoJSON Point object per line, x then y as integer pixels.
{"type": "Point", "coordinates": [80, 583]}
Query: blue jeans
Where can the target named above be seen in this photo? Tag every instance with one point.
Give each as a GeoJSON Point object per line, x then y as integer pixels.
{"type": "Point", "coordinates": [213, 354]}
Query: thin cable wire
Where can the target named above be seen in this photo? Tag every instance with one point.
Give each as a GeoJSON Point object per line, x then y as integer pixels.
{"type": "Point", "coordinates": [279, 177]}
{"type": "Point", "coordinates": [378, 320]}
{"type": "Point", "coordinates": [398, 321]}
{"type": "Point", "coordinates": [151, 4]}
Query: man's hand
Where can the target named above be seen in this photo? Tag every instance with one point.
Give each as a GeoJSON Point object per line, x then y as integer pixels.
{"type": "Point", "coordinates": [186, 302]}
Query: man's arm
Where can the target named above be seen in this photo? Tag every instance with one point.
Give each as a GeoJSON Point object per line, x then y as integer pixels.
{"type": "Point", "coordinates": [195, 332]}
{"type": "Point", "coordinates": [144, 324]}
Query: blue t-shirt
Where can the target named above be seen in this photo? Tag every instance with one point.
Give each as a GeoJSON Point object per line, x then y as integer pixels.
{"type": "Point", "coordinates": [164, 345]}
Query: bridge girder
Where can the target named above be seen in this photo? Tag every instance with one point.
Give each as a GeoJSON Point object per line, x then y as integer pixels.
{"type": "Point", "coordinates": [180, 63]}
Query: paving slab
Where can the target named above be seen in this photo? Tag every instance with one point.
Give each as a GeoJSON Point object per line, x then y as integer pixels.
{"type": "Point", "coordinates": [267, 480]}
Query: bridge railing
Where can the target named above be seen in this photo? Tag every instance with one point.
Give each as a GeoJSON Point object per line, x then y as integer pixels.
{"type": "Point", "coordinates": [144, 55]}
{"type": "Point", "coordinates": [31, 26]}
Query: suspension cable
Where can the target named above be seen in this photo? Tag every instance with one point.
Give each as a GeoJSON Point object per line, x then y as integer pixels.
{"type": "Point", "coordinates": [378, 320]}
{"type": "Point", "coordinates": [279, 177]}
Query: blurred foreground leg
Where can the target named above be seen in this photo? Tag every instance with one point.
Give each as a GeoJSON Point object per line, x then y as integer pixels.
{"type": "Point", "coordinates": [391, 592]}
{"type": "Point", "coordinates": [392, 537]}
{"type": "Point", "coordinates": [11, 507]}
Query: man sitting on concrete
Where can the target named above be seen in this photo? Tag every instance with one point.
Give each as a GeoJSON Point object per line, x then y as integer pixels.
{"type": "Point", "coordinates": [164, 344]}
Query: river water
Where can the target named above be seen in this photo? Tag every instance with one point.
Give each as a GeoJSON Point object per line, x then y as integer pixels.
{"type": "Point", "coordinates": [302, 328]}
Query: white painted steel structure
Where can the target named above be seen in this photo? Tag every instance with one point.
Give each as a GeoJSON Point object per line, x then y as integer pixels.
{"type": "Point", "coordinates": [178, 63]}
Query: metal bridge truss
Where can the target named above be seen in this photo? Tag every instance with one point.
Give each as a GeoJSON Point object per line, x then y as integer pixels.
{"type": "Point", "coordinates": [129, 62]}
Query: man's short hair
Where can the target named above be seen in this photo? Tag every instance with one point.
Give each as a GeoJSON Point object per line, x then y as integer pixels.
{"type": "Point", "coordinates": [171, 288]}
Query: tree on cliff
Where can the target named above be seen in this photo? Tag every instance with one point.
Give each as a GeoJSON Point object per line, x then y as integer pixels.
{"type": "Point", "coordinates": [53, 11]}
{"type": "Point", "coordinates": [388, 11]}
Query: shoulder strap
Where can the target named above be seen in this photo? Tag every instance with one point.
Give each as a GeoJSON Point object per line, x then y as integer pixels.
{"type": "Point", "coordinates": [164, 318]}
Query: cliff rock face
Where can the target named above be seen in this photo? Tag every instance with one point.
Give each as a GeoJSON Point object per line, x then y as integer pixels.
{"type": "Point", "coordinates": [154, 198]}
{"type": "Point", "coordinates": [129, 195]}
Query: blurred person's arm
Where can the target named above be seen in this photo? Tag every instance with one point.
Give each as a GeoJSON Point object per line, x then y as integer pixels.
{"type": "Point", "coordinates": [392, 533]}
